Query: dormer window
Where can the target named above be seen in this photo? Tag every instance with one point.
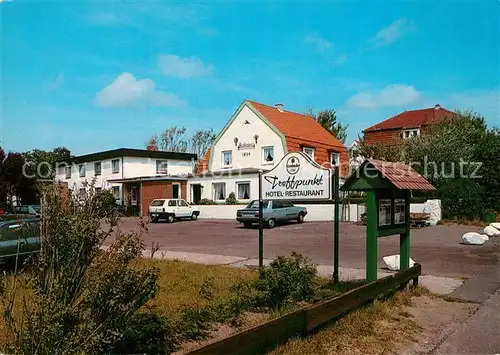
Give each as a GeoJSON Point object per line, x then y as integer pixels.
{"type": "Point", "coordinates": [267, 155]}
{"type": "Point", "coordinates": [335, 158]}
{"type": "Point", "coordinates": [309, 151]}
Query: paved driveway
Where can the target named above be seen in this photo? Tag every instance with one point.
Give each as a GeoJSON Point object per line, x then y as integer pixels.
{"type": "Point", "coordinates": [436, 248]}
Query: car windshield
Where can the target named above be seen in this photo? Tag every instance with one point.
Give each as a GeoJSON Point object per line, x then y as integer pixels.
{"type": "Point", "coordinates": [255, 204]}
{"type": "Point", "coordinates": [36, 208]}
{"type": "Point", "coordinates": [157, 203]}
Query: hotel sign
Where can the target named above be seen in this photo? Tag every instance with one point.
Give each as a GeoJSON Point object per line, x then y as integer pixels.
{"type": "Point", "coordinates": [296, 177]}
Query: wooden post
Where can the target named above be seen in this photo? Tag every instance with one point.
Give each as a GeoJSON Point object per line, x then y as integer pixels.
{"type": "Point", "coordinates": [371, 236]}
{"type": "Point", "coordinates": [336, 225]}
{"type": "Point", "coordinates": [404, 238]}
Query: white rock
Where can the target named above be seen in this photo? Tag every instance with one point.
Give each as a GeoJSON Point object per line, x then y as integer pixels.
{"type": "Point", "coordinates": [491, 231]}
{"type": "Point", "coordinates": [392, 262]}
{"type": "Point", "coordinates": [473, 238]}
{"type": "Point", "coordinates": [495, 225]}
{"type": "Point", "coordinates": [433, 208]}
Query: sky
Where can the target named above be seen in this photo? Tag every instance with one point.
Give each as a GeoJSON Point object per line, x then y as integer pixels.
{"type": "Point", "coordinates": [100, 75]}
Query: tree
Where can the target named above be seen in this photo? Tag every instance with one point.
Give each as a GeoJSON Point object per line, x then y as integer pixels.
{"type": "Point", "coordinates": [173, 140]}
{"type": "Point", "coordinates": [328, 120]}
{"type": "Point", "coordinates": [43, 163]}
{"type": "Point", "coordinates": [15, 180]}
{"type": "Point", "coordinates": [201, 141]}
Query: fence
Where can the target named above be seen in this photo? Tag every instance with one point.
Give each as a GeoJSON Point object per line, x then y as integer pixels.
{"type": "Point", "coordinates": [305, 320]}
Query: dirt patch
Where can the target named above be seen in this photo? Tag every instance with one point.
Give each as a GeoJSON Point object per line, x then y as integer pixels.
{"type": "Point", "coordinates": [436, 317]}
{"type": "Point", "coordinates": [223, 330]}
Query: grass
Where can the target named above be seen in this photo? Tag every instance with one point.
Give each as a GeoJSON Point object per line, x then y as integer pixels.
{"type": "Point", "coordinates": [374, 329]}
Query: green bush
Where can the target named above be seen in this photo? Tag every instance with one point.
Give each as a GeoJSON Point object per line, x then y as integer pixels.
{"type": "Point", "coordinates": [286, 279]}
{"type": "Point", "coordinates": [462, 198]}
{"type": "Point", "coordinates": [231, 199]}
{"type": "Point", "coordinates": [106, 203]}
{"type": "Point", "coordinates": [147, 333]}
{"type": "Point", "coordinates": [206, 201]}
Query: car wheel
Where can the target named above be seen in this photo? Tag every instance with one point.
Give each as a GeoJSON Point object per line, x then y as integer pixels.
{"type": "Point", "coordinates": [170, 218]}
{"type": "Point", "coordinates": [194, 217]}
{"type": "Point", "coordinates": [247, 225]}
{"type": "Point", "coordinates": [154, 220]}
{"type": "Point", "coordinates": [300, 218]}
{"type": "Point", "coordinates": [271, 223]}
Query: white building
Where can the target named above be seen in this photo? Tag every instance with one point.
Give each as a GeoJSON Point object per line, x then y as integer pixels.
{"type": "Point", "coordinates": [256, 138]}
{"type": "Point", "coordinates": [132, 174]}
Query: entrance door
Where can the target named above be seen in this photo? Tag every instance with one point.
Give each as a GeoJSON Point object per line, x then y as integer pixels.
{"type": "Point", "coordinates": [196, 193]}
{"type": "Point", "coordinates": [176, 190]}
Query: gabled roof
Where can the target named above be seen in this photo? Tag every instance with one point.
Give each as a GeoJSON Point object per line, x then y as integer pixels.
{"type": "Point", "coordinates": [296, 125]}
{"type": "Point", "coordinates": [399, 175]}
{"type": "Point", "coordinates": [413, 119]}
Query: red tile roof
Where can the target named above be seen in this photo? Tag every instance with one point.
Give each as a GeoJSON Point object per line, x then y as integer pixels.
{"type": "Point", "coordinates": [413, 119]}
{"type": "Point", "coordinates": [401, 175]}
{"type": "Point", "coordinates": [296, 125]}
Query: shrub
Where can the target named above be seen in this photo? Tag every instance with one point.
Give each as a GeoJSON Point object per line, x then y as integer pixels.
{"type": "Point", "coordinates": [231, 199]}
{"type": "Point", "coordinates": [206, 201]}
{"type": "Point", "coordinates": [75, 298]}
{"type": "Point", "coordinates": [285, 280]}
{"type": "Point", "coordinates": [106, 203]}
{"type": "Point", "coordinates": [462, 198]}
{"type": "Point", "coordinates": [147, 333]}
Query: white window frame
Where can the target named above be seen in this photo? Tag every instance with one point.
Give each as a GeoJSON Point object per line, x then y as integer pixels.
{"type": "Point", "coordinates": [238, 191]}
{"type": "Point", "coordinates": [264, 161]}
{"type": "Point", "coordinates": [97, 163]}
{"type": "Point", "coordinates": [410, 133]}
{"type": "Point", "coordinates": [159, 164]}
{"type": "Point", "coordinates": [67, 171]}
{"type": "Point", "coordinates": [82, 170]}
{"type": "Point", "coordinates": [223, 191]}
{"type": "Point", "coordinates": [116, 188]}
{"type": "Point", "coordinates": [337, 161]}
{"type": "Point", "coordinates": [113, 171]}
{"type": "Point", "coordinates": [306, 149]}
{"type": "Point", "coordinates": [224, 165]}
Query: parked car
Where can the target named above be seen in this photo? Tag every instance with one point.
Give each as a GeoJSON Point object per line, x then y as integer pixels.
{"type": "Point", "coordinates": [19, 238]}
{"type": "Point", "coordinates": [171, 210]}
{"type": "Point", "coordinates": [275, 211]}
{"type": "Point", "coordinates": [21, 212]}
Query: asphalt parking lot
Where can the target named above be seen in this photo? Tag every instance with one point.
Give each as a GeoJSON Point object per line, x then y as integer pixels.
{"type": "Point", "coordinates": [436, 248]}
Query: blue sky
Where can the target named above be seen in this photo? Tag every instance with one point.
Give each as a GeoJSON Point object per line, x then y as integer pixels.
{"type": "Point", "coordinates": [100, 75]}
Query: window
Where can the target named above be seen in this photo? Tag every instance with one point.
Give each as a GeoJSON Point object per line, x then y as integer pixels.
{"type": "Point", "coordinates": [98, 190]}
{"type": "Point", "coordinates": [116, 192]}
{"type": "Point", "coordinates": [286, 204]}
{"type": "Point", "coordinates": [335, 159]}
{"type": "Point", "coordinates": [162, 167]}
{"type": "Point", "coordinates": [243, 189]}
{"type": "Point", "coordinates": [409, 133]}
{"type": "Point", "coordinates": [172, 203]}
{"type": "Point", "coordinates": [384, 213]}
{"type": "Point", "coordinates": [175, 190]}
{"type": "Point", "coordinates": [255, 204]}
{"type": "Point", "coordinates": [267, 155]}
{"type": "Point", "coordinates": [277, 204]}
{"type": "Point", "coordinates": [157, 203]}
{"type": "Point", "coordinates": [399, 211]}
{"type": "Point", "coordinates": [97, 169]}
{"type": "Point", "coordinates": [183, 203]}
{"type": "Point", "coordinates": [227, 158]}
{"type": "Point", "coordinates": [82, 192]}
{"type": "Point", "coordinates": [81, 169]}
{"type": "Point", "coordinates": [309, 151]}
{"type": "Point", "coordinates": [115, 166]}
{"type": "Point", "coordinates": [219, 190]}
{"type": "Point", "coordinates": [21, 210]}
{"type": "Point", "coordinates": [68, 172]}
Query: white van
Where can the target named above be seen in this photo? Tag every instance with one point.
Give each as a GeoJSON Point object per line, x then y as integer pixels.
{"type": "Point", "coordinates": [171, 209]}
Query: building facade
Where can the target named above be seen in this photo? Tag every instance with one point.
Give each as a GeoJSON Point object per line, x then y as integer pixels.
{"type": "Point", "coordinates": [405, 125]}
{"type": "Point", "coordinates": [256, 138]}
{"type": "Point", "coordinates": [133, 175]}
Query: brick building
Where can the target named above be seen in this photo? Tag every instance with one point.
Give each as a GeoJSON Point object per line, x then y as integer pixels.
{"type": "Point", "coordinates": [405, 125]}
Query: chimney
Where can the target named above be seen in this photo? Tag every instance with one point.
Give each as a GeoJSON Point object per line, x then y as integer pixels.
{"type": "Point", "coordinates": [279, 107]}
{"type": "Point", "coordinates": [151, 147]}
{"type": "Point", "coordinates": [437, 107]}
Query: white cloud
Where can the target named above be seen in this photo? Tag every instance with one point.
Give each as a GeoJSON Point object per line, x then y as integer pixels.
{"type": "Point", "coordinates": [341, 59]}
{"type": "Point", "coordinates": [59, 80]}
{"type": "Point", "coordinates": [485, 102]}
{"type": "Point", "coordinates": [173, 65]}
{"type": "Point", "coordinates": [127, 91]}
{"type": "Point", "coordinates": [392, 33]}
{"type": "Point", "coordinates": [391, 95]}
{"type": "Point", "coordinates": [322, 44]}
